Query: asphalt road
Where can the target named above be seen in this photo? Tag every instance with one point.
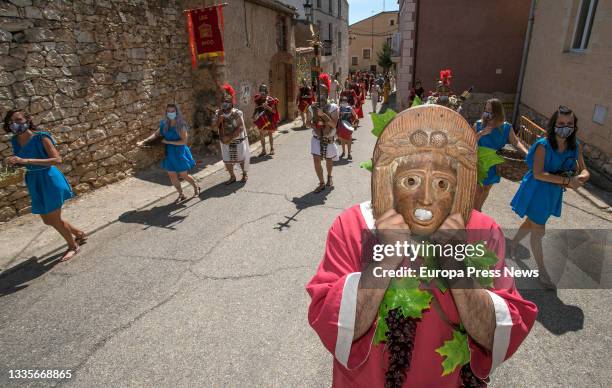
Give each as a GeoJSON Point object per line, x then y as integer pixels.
{"type": "Point", "coordinates": [211, 292]}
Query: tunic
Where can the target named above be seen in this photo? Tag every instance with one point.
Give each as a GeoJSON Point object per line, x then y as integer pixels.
{"type": "Point", "coordinates": [332, 311]}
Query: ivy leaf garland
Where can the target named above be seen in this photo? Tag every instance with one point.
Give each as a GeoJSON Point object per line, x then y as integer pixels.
{"type": "Point", "coordinates": [456, 352]}
{"type": "Point", "coordinates": [404, 294]}
{"type": "Point", "coordinates": [380, 121]}
{"type": "Point", "coordinates": [487, 158]}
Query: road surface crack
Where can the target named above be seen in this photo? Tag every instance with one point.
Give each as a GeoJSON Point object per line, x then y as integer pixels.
{"type": "Point", "coordinates": [248, 276]}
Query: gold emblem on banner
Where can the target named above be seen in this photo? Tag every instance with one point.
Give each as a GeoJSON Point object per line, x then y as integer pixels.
{"type": "Point", "coordinates": [206, 31]}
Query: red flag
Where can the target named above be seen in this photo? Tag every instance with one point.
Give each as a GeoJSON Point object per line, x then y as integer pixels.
{"type": "Point", "coordinates": [206, 33]}
{"type": "Point", "coordinates": [192, 41]}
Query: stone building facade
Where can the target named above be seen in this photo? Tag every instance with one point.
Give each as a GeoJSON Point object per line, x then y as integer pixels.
{"type": "Point", "coordinates": [325, 12]}
{"type": "Point", "coordinates": [564, 69]}
{"type": "Point", "coordinates": [98, 75]}
{"type": "Point", "coordinates": [367, 38]}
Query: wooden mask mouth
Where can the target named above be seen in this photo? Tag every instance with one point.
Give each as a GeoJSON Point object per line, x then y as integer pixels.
{"type": "Point", "coordinates": [423, 133]}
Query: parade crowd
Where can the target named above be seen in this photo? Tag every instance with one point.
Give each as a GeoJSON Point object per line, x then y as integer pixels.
{"type": "Point", "coordinates": [424, 180]}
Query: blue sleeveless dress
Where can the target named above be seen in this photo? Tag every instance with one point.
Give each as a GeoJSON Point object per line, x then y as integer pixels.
{"type": "Point", "coordinates": [47, 185]}
{"type": "Point", "coordinates": [536, 199]}
{"type": "Point", "coordinates": [178, 157]}
{"type": "Point", "coordinates": [496, 140]}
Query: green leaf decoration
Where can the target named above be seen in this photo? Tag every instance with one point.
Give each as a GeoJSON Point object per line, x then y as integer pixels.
{"type": "Point", "coordinates": [456, 352]}
{"type": "Point", "coordinates": [367, 165]}
{"type": "Point", "coordinates": [404, 294]}
{"type": "Point", "coordinates": [487, 158]}
{"type": "Point", "coordinates": [484, 262]}
{"type": "Point", "coordinates": [381, 330]}
{"type": "Point", "coordinates": [380, 121]}
{"type": "Point", "coordinates": [417, 101]}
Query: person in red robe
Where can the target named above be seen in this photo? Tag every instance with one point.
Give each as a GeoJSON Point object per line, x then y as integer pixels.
{"type": "Point", "coordinates": [266, 117]}
{"type": "Point", "coordinates": [424, 170]}
{"type": "Point", "coordinates": [305, 99]}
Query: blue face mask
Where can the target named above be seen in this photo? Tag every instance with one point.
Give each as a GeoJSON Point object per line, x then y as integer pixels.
{"type": "Point", "coordinates": [171, 115]}
{"type": "Point", "coordinates": [19, 128]}
{"type": "Point", "coordinates": [564, 132]}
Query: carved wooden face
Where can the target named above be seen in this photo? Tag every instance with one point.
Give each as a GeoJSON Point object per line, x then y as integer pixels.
{"type": "Point", "coordinates": [424, 166]}
{"type": "Point", "coordinates": [424, 191]}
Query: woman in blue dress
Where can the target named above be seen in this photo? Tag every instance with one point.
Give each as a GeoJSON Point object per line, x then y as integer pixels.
{"type": "Point", "coordinates": [178, 160]}
{"type": "Point", "coordinates": [493, 132]}
{"type": "Point", "coordinates": [46, 184]}
{"type": "Point", "coordinates": [555, 162]}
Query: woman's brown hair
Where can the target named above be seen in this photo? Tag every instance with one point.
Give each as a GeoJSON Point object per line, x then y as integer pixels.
{"type": "Point", "coordinates": [497, 108]}
{"type": "Point", "coordinates": [9, 115]}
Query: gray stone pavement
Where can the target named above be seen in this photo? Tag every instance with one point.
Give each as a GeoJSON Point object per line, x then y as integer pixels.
{"type": "Point", "coordinates": [211, 292]}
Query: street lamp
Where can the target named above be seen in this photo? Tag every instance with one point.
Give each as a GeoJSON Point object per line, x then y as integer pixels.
{"type": "Point", "coordinates": [308, 12]}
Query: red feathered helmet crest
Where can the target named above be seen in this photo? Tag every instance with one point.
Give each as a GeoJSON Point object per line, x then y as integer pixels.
{"type": "Point", "coordinates": [325, 80]}
{"type": "Point", "coordinates": [445, 76]}
{"type": "Point", "coordinates": [230, 94]}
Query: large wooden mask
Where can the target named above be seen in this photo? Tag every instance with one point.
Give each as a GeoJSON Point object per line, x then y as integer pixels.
{"type": "Point", "coordinates": [425, 167]}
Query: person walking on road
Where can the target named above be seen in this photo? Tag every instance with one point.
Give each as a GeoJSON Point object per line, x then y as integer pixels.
{"type": "Point", "coordinates": [233, 136]}
{"type": "Point", "coordinates": [178, 160]}
{"type": "Point", "coordinates": [48, 187]}
{"type": "Point", "coordinates": [555, 163]}
{"type": "Point", "coordinates": [323, 144]}
{"type": "Point", "coordinates": [493, 132]}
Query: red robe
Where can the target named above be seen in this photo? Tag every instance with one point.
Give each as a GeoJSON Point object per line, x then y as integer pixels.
{"type": "Point", "coordinates": [361, 364]}
{"type": "Point", "coordinates": [304, 102]}
{"type": "Point", "coordinates": [273, 103]}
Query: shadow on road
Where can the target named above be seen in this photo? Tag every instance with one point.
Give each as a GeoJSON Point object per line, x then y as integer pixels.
{"type": "Point", "coordinates": [556, 316]}
{"type": "Point", "coordinates": [553, 314]}
{"type": "Point", "coordinates": [301, 203]}
{"type": "Point", "coordinates": [157, 175]}
{"type": "Point", "coordinates": [168, 216]}
{"type": "Point", "coordinates": [260, 159]}
{"type": "Point", "coordinates": [18, 277]}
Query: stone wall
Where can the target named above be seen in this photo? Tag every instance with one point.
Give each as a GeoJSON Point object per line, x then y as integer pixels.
{"type": "Point", "coordinates": [98, 74]}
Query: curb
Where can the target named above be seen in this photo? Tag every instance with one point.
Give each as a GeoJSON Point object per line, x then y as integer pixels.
{"type": "Point", "coordinates": [213, 169]}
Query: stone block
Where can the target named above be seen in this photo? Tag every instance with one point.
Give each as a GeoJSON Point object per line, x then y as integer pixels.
{"type": "Point", "coordinates": [34, 35]}
{"type": "Point", "coordinates": [5, 36]}
{"type": "Point", "coordinates": [33, 13]}
{"type": "Point", "coordinates": [7, 9]}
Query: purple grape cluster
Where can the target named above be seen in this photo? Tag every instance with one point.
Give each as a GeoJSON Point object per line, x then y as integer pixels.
{"type": "Point", "coordinates": [469, 379]}
{"type": "Point", "coordinates": [400, 341]}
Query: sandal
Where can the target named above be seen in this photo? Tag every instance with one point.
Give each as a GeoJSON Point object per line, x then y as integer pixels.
{"type": "Point", "coordinates": [245, 178]}
{"type": "Point", "coordinates": [81, 238]}
{"type": "Point", "coordinates": [330, 182]}
{"type": "Point", "coordinates": [180, 198]}
{"type": "Point", "coordinates": [350, 157]}
{"type": "Point", "coordinates": [262, 154]}
{"type": "Point", "coordinates": [319, 188]}
{"type": "Point", "coordinates": [342, 155]}
{"type": "Point", "coordinates": [230, 181]}
{"type": "Point", "coordinates": [272, 152]}
{"type": "Point", "coordinates": [196, 191]}
{"type": "Point", "coordinates": [70, 253]}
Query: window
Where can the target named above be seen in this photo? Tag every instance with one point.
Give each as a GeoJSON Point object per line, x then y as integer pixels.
{"type": "Point", "coordinates": [366, 53]}
{"type": "Point", "coordinates": [331, 7]}
{"type": "Point", "coordinates": [330, 32]}
{"type": "Point", "coordinates": [319, 4]}
{"type": "Point", "coordinates": [584, 24]}
{"type": "Point", "coordinates": [354, 61]}
{"type": "Point", "coordinates": [391, 22]}
{"type": "Point", "coordinates": [281, 34]}
{"type": "Point", "coordinates": [339, 43]}
{"type": "Point", "coordinates": [339, 9]}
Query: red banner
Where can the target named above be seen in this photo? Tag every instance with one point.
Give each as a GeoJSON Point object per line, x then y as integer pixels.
{"type": "Point", "coordinates": [205, 27]}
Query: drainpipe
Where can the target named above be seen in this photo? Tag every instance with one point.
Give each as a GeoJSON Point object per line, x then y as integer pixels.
{"type": "Point", "coordinates": [519, 88]}
{"type": "Point", "coordinates": [416, 40]}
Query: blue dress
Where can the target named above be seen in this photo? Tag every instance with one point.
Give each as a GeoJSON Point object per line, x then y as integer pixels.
{"type": "Point", "coordinates": [178, 157]}
{"type": "Point", "coordinates": [47, 185]}
{"type": "Point", "coordinates": [537, 199]}
{"type": "Point", "coordinates": [496, 140]}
